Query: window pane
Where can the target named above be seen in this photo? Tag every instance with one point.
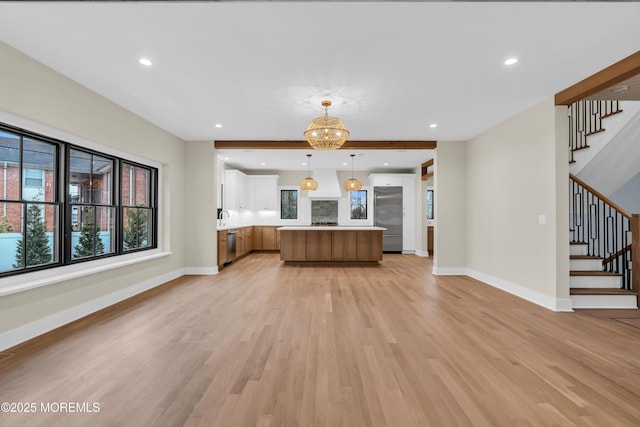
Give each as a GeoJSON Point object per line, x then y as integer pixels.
{"type": "Point", "coordinates": [142, 187]}
{"type": "Point", "coordinates": [10, 166]}
{"type": "Point", "coordinates": [136, 185]}
{"type": "Point", "coordinates": [38, 238]}
{"type": "Point", "coordinates": [101, 180]}
{"type": "Point", "coordinates": [289, 204]}
{"type": "Point", "coordinates": [80, 176]}
{"type": "Point", "coordinates": [94, 234]}
{"type": "Point", "coordinates": [126, 179]}
{"type": "Point", "coordinates": [10, 235]}
{"type": "Point", "coordinates": [38, 170]}
{"type": "Point", "coordinates": [358, 204]}
{"type": "Point", "coordinates": [137, 228]}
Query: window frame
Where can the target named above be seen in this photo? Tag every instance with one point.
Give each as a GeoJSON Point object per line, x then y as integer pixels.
{"type": "Point", "coordinates": [366, 204]}
{"type": "Point", "coordinates": [62, 247]}
{"type": "Point", "coordinates": [297, 192]}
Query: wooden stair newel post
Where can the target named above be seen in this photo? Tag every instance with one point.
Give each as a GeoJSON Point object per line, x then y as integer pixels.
{"type": "Point", "coordinates": [635, 253]}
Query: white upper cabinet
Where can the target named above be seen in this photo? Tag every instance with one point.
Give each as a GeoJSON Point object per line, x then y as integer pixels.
{"type": "Point", "coordinates": [235, 190]}
{"type": "Point", "coordinates": [264, 192]}
{"type": "Point", "coordinates": [385, 180]}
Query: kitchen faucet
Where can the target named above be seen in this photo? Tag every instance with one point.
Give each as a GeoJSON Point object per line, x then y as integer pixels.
{"type": "Point", "coordinates": [221, 217]}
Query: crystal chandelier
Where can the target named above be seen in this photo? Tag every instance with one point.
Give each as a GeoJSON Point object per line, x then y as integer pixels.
{"type": "Point", "coordinates": [326, 133]}
{"type": "Point", "coordinates": [309, 184]}
{"type": "Point", "coordinates": [352, 184]}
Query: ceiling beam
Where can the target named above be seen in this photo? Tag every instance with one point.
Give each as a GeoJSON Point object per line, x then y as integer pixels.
{"type": "Point", "coordinates": [610, 76]}
{"type": "Point", "coordinates": [304, 145]}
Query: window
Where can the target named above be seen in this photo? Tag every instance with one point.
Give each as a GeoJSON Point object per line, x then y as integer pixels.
{"type": "Point", "coordinates": [138, 211]}
{"type": "Point", "coordinates": [90, 198]}
{"type": "Point", "coordinates": [289, 204]}
{"type": "Point", "coordinates": [429, 204]}
{"type": "Point", "coordinates": [29, 226]}
{"type": "Point", "coordinates": [101, 212]}
{"type": "Point", "coordinates": [358, 204]}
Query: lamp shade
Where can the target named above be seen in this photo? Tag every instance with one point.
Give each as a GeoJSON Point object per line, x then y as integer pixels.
{"type": "Point", "coordinates": [352, 185]}
{"type": "Point", "coordinates": [326, 133]}
{"type": "Point", "coordinates": [309, 184]}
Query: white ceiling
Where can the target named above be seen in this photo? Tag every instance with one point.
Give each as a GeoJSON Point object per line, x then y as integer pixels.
{"type": "Point", "coordinates": [262, 68]}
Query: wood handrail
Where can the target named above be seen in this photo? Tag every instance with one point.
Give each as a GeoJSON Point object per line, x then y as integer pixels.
{"type": "Point", "coordinates": [617, 254]}
{"type": "Point", "coordinates": [601, 196]}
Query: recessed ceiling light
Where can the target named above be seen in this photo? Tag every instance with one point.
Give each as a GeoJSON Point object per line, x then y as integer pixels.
{"type": "Point", "coordinates": [433, 125]}
{"type": "Point", "coordinates": [345, 164]}
{"type": "Point", "coordinates": [510, 61]}
{"type": "Point", "coordinates": [145, 61]}
{"type": "Point", "coordinates": [218, 125]}
{"type": "Point", "coordinates": [304, 163]}
{"type": "Point", "coordinates": [386, 164]}
{"type": "Point", "coordinates": [262, 164]}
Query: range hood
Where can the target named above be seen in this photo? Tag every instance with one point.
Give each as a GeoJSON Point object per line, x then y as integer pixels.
{"type": "Point", "coordinates": [328, 185]}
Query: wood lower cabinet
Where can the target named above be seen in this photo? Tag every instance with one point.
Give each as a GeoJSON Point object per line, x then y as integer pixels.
{"type": "Point", "coordinates": [223, 253]}
{"type": "Point", "coordinates": [329, 245]}
{"type": "Point", "coordinates": [270, 238]}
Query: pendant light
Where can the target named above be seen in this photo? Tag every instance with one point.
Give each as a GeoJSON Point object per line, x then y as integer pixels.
{"type": "Point", "coordinates": [352, 184]}
{"type": "Point", "coordinates": [309, 184]}
{"type": "Point", "coordinates": [326, 133]}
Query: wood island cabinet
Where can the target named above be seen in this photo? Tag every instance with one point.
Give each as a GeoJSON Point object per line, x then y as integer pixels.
{"type": "Point", "coordinates": [331, 245]}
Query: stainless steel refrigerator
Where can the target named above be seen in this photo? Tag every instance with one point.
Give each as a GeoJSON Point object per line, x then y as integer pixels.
{"type": "Point", "coordinates": [387, 212]}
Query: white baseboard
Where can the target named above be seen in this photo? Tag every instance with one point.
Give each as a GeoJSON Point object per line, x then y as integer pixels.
{"type": "Point", "coordinates": [408, 252]}
{"type": "Point", "coordinates": [450, 271]}
{"type": "Point", "coordinates": [201, 271]}
{"type": "Point", "coordinates": [31, 330]}
{"type": "Point", "coordinates": [545, 301]}
{"type": "Point", "coordinates": [422, 253]}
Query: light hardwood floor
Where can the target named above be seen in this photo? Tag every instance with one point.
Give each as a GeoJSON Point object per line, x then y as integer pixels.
{"type": "Point", "coordinates": [267, 344]}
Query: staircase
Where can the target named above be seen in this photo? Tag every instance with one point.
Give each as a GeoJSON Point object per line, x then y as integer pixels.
{"type": "Point", "coordinates": [591, 287]}
{"type": "Point", "coordinates": [600, 231]}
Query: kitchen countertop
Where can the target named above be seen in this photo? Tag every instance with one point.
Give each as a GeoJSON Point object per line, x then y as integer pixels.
{"type": "Point", "coordinates": [229, 227]}
{"type": "Point", "coordinates": [331, 227]}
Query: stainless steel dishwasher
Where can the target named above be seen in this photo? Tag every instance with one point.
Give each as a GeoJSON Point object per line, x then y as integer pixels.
{"type": "Point", "coordinates": [231, 244]}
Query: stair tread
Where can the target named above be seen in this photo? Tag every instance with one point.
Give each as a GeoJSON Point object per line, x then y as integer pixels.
{"type": "Point", "coordinates": [577, 243]}
{"type": "Point", "coordinates": [604, 116]}
{"type": "Point", "coordinates": [584, 257]}
{"type": "Point", "coordinates": [600, 291]}
{"type": "Point", "coordinates": [592, 273]}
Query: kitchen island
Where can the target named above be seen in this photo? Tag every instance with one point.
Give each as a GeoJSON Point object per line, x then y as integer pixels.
{"type": "Point", "coordinates": [331, 244]}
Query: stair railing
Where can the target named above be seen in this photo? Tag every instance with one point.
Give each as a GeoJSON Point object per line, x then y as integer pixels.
{"type": "Point", "coordinates": [604, 226]}
{"type": "Point", "coordinates": [585, 118]}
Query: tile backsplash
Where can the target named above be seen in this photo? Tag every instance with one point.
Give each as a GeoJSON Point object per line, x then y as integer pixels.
{"type": "Point", "coordinates": [324, 211]}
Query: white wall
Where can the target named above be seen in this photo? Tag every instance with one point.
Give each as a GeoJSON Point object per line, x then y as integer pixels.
{"type": "Point", "coordinates": [201, 248]}
{"type": "Point", "coordinates": [516, 173]}
{"type": "Point", "coordinates": [34, 94]}
{"type": "Point", "coordinates": [450, 235]}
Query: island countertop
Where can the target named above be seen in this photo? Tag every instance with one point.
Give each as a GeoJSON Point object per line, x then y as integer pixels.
{"type": "Point", "coordinates": [331, 227]}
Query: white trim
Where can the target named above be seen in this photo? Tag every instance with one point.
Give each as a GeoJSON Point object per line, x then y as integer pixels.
{"type": "Point", "coordinates": [409, 252]}
{"type": "Point", "coordinates": [604, 301]}
{"type": "Point", "coordinates": [551, 303]}
{"type": "Point", "coordinates": [38, 327]}
{"type": "Point", "coordinates": [200, 271]}
{"type": "Point", "coordinates": [422, 253]}
{"type": "Point", "coordinates": [449, 271]}
{"type": "Point", "coordinates": [22, 282]}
